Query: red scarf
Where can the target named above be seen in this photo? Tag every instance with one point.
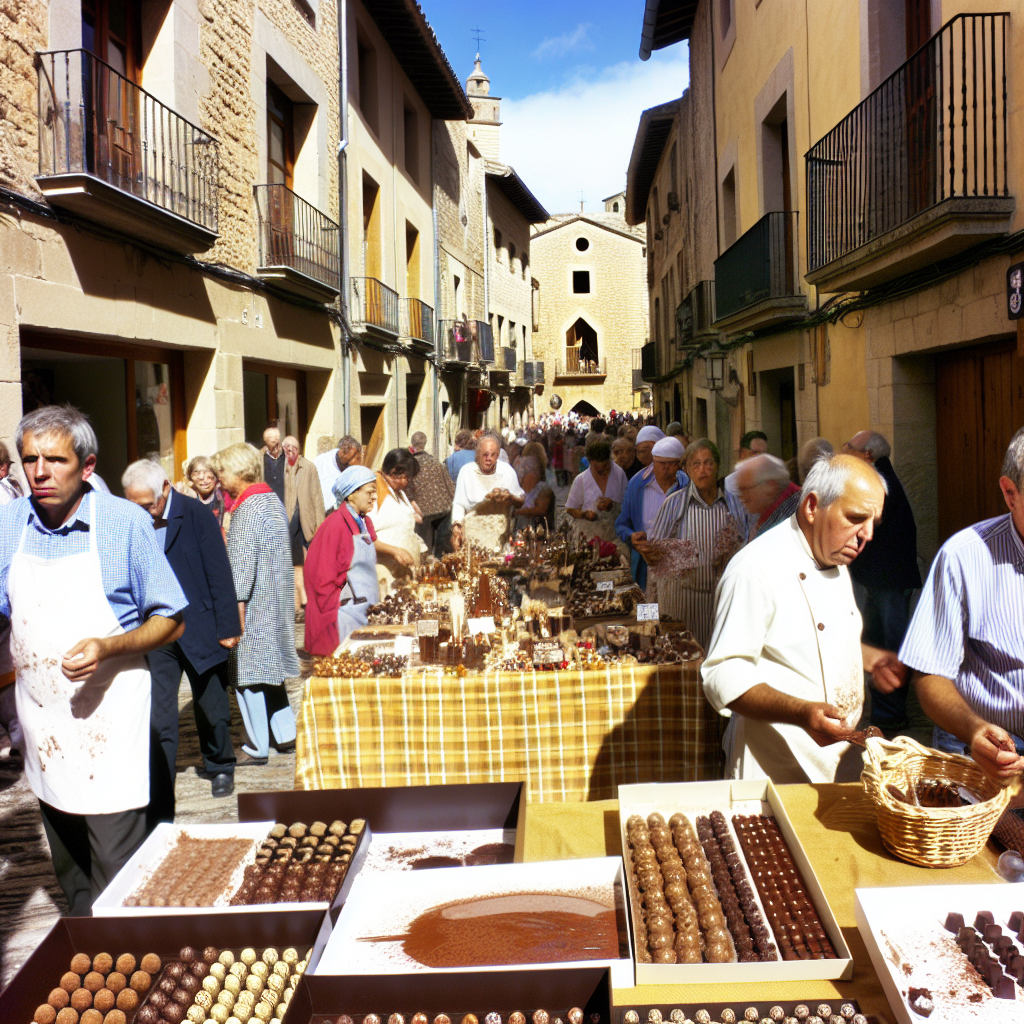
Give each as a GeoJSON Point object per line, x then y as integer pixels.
{"type": "Point", "coordinates": [791, 489]}
{"type": "Point", "coordinates": [257, 488]}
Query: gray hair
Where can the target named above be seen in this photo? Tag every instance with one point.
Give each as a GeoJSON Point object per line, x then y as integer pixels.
{"type": "Point", "coordinates": [1013, 461]}
{"type": "Point", "coordinates": [145, 474]}
{"type": "Point", "coordinates": [828, 477]}
{"type": "Point", "coordinates": [622, 442]}
{"type": "Point", "coordinates": [876, 446]}
{"type": "Point", "coordinates": [490, 435]}
{"type": "Point", "coordinates": [349, 444]}
{"type": "Point", "coordinates": [814, 449]}
{"type": "Point", "coordinates": [418, 441]}
{"type": "Point", "coordinates": [65, 420]}
{"type": "Point", "coordinates": [766, 468]}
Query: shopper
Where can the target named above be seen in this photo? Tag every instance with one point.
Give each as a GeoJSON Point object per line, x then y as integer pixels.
{"type": "Point", "coordinates": [304, 506]}
{"type": "Point", "coordinates": [463, 455]}
{"type": "Point", "coordinates": [341, 565]}
{"type": "Point", "coordinates": [331, 464]}
{"type": "Point", "coordinates": [539, 504]}
{"type": "Point", "coordinates": [486, 494]}
{"type": "Point", "coordinates": [399, 547]}
{"type": "Point", "coordinates": [88, 594]}
{"type": "Point", "coordinates": [624, 454]}
{"type": "Point", "coordinates": [273, 460]}
{"type": "Point", "coordinates": [259, 548]}
{"type": "Point", "coordinates": [189, 536]}
{"type": "Point", "coordinates": [767, 493]}
{"type": "Point", "coordinates": [10, 489]}
{"type": "Point", "coordinates": [595, 497]}
{"type": "Point", "coordinates": [208, 490]}
{"type": "Point", "coordinates": [432, 490]}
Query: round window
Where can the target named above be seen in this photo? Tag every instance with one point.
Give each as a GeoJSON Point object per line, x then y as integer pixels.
{"type": "Point", "coordinates": [583, 244]}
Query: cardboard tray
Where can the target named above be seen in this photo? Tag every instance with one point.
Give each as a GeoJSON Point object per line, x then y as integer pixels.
{"type": "Point", "coordinates": [738, 1006]}
{"type": "Point", "coordinates": [684, 796]}
{"type": "Point", "coordinates": [929, 904]}
{"type": "Point", "coordinates": [556, 990]}
{"type": "Point", "coordinates": [390, 902]}
{"type": "Point", "coordinates": [164, 934]}
{"type": "Point", "coordinates": [465, 807]}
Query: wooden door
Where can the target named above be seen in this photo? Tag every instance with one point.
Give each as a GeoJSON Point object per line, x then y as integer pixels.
{"type": "Point", "coordinates": [979, 405]}
{"type": "Point", "coordinates": [280, 171]}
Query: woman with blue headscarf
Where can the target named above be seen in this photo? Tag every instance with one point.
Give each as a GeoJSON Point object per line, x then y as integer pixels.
{"type": "Point", "coordinates": [341, 565]}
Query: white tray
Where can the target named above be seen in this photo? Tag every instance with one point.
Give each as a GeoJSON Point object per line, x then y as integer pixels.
{"type": "Point", "coordinates": [385, 904]}
{"type": "Point", "coordinates": [906, 926]}
{"type": "Point", "coordinates": [755, 796]}
{"type": "Point", "coordinates": [158, 844]}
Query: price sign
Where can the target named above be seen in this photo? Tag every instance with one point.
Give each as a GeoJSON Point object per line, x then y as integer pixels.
{"type": "Point", "coordinates": [403, 645]}
{"type": "Point", "coordinates": [547, 653]}
{"type": "Point", "coordinates": [426, 627]}
{"type": "Point", "coordinates": [605, 585]}
{"type": "Point", "coordinates": [485, 624]}
{"type": "Point", "coordinates": [648, 613]}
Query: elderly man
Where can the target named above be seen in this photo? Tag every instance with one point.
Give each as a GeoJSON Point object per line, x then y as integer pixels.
{"type": "Point", "coordinates": [786, 658]}
{"type": "Point", "coordinates": [431, 490]}
{"type": "Point", "coordinates": [753, 442]}
{"type": "Point", "coordinates": [886, 574]}
{"type": "Point", "coordinates": [624, 454]}
{"type": "Point", "coordinates": [88, 593]}
{"type": "Point", "coordinates": [965, 642]}
{"type": "Point", "coordinates": [189, 536]}
{"type": "Point", "coordinates": [811, 451]}
{"type": "Point", "coordinates": [645, 494]}
{"type": "Point", "coordinates": [331, 464]}
{"type": "Point", "coordinates": [304, 504]}
{"type": "Point", "coordinates": [273, 461]}
{"type": "Point", "coordinates": [767, 493]}
{"type": "Point", "coordinates": [463, 455]}
{"type": "Point", "coordinates": [485, 493]}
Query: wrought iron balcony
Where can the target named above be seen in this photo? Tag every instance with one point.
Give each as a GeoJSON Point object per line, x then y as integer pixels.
{"type": "Point", "coordinates": [506, 360]}
{"type": "Point", "coordinates": [374, 306]}
{"type": "Point", "coordinates": [696, 313]}
{"type": "Point", "coordinates": [917, 171]}
{"type": "Point", "coordinates": [299, 247]}
{"type": "Point", "coordinates": [649, 361]}
{"type": "Point", "coordinates": [574, 366]}
{"type": "Point", "coordinates": [757, 277]}
{"type": "Point", "coordinates": [533, 373]}
{"type": "Point", "coordinates": [417, 321]}
{"type": "Point", "coordinates": [112, 153]}
{"type": "Point", "coordinates": [466, 341]}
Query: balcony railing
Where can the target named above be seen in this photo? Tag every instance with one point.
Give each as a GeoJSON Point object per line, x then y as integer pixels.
{"type": "Point", "coordinates": [934, 130]}
{"type": "Point", "coordinates": [575, 366]}
{"type": "Point", "coordinates": [94, 121]}
{"type": "Point", "coordinates": [467, 341]}
{"type": "Point", "coordinates": [649, 361]}
{"type": "Point", "coordinates": [296, 236]}
{"type": "Point", "coordinates": [506, 359]}
{"type": "Point", "coordinates": [418, 321]}
{"type": "Point", "coordinates": [533, 373]}
{"type": "Point", "coordinates": [761, 264]}
{"type": "Point", "coordinates": [696, 313]}
{"type": "Point", "coordinates": [374, 305]}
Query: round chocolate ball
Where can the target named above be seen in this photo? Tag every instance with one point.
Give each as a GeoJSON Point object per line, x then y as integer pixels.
{"type": "Point", "coordinates": [104, 1000]}
{"type": "Point", "coordinates": [151, 963]}
{"type": "Point", "coordinates": [80, 963]}
{"type": "Point", "coordinates": [174, 1012]}
{"type": "Point", "coordinates": [167, 984]}
{"type": "Point", "coordinates": [81, 999]}
{"type": "Point", "coordinates": [93, 981]}
{"type": "Point", "coordinates": [127, 1000]}
{"type": "Point", "coordinates": [70, 981]}
{"type": "Point", "coordinates": [158, 999]}
{"type": "Point", "coordinates": [175, 969]}
{"type": "Point", "coordinates": [187, 954]}
{"type": "Point", "coordinates": [147, 1015]}
{"type": "Point", "coordinates": [180, 995]}
{"type": "Point", "coordinates": [125, 964]}
{"type": "Point", "coordinates": [58, 998]}
{"type": "Point", "coordinates": [115, 1017]}
{"type": "Point", "coordinates": [91, 1016]}
{"type": "Point", "coordinates": [210, 954]}
{"type": "Point", "coordinates": [44, 1014]}
{"type": "Point", "coordinates": [190, 983]}
{"type": "Point", "coordinates": [116, 981]}
{"type": "Point", "coordinates": [141, 981]}
{"type": "Point", "coordinates": [67, 1016]}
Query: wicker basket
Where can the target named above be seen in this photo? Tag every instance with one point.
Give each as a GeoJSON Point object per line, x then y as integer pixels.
{"type": "Point", "coordinates": [933, 837]}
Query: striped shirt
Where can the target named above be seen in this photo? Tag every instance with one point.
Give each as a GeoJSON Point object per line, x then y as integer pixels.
{"type": "Point", "coordinates": [653, 498]}
{"type": "Point", "coordinates": [968, 623]}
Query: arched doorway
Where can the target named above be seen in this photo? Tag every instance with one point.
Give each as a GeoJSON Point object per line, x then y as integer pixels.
{"type": "Point", "coordinates": [585, 409]}
{"type": "Point", "coordinates": [581, 348]}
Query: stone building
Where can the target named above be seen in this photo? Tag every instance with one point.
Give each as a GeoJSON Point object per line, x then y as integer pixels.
{"type": "Point", "coordinates": [865, 204]}
{"type": "Point", "coordinates": [592, 308]}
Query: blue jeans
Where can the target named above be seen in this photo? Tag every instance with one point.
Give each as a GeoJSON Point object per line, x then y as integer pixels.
{"type": "Point", "coordinates": [950, 744]}
{"type": "Point", "coordinates": [886, 615]}
{"type": "Point", "coordinates": [265, 710]}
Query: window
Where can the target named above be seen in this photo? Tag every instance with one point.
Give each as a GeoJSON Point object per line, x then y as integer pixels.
{"type": "Point", "coordinates": [497, 245]}
{"type": "Point", "coordinates": [273, 393]}
{"type": "Point", "coordinates": [457, 295]}
{"type": "Point", "coordinates": [673, 171]}
{"type": "Point", "coordinates": [366, 57]}
{"type": "Point", "coordinates": [412, 261]}
{"type": "Point", "coordinates": [110, 31]}
{"type": "Point", "coordinates": [657, 321]}
{"type": "Point", "coordinates": [729, 208]}
{"type": "Point", "coordinates": [775, 159]}
{"type": "Point", "coordinates": [372, 263]}
{"type": "Point", "coordinates": [511, 257]}
{"type": "Point", "coordinates": [581, 282]}
{"type": "Point", "coordinates": [615, 207]}
{"type": "Point", "coordinates": [583, 244]}
{"type": "Point", "coordinates": [412, 141]}
{"type": "Point", "coordinates": [280, 137]}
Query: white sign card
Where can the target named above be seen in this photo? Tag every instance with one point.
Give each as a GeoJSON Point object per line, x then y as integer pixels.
{"type": "Point", "coordinates": [605, 585]}
{"type": "Point", "coordinates": [648, 613]}
{"type": "Point", "coordinates": [426, 627]}
{"type": "Point", "coordinates": [485, 624]}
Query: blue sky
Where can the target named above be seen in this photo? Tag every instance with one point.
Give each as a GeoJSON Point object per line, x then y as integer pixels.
{"type": "Point", "coordinates": [571, 83]}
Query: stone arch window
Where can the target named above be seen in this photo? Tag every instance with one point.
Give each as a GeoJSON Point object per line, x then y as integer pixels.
{"type": "Point", "coordinates": [581, 352]}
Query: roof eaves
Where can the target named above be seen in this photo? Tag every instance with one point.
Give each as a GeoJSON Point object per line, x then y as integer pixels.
{"type": "Point", "coordinates": [515, 190]}
{"type": "Point", "coordinates": [651, 136]}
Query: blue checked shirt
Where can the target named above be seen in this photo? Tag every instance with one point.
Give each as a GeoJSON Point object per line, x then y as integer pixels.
{"type": "Point", "coordinates": [969, 623]}
{"type": "Point", "coordinates": [137, 578]}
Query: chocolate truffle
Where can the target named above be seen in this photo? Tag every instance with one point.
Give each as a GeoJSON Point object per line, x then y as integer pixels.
{"type": "Point", "coordinates": [125, 964]}
{"type": "Point", "coordinates": [80, 963]}
{"type": "Point", "coordinates": [150, 963]}
{"type": "Point", "coordinates": [372, 1018]}
{"type": "Point", "coordinates": [104, 1000]}
{"type": "Point", "coordinates": [58, 998]}
{"type": "Point", "coordinates": [70, 981]}
{"type": "Point", "coordinates": [116, 981]}
{"type": "Point", "coordinates": [91, 1016]}
{"type": "Point", "coordinates": [728, 1016]}
{"type": "Point", "coordinates": [93, 981]}
{"type": "Point", "coordinates": [174, 1013]}
{"type": "Point", "coordinates": [158, 999]}
{"type": "Point", "coordinates": [115, 1017]}
{"type": "Point", "coordinates": [575, 1015]}
{"type": "Point", "coordinates": [180, 995]}
{"type": "Point", "coordinates": [631, 1017]}
{"type": "Point", "coordinates": [44, 1014]}
{"type": "Point", "coordinates": [396, 1018]}
{"type": "Point", "coordinates": [127, 1000]}
{"type": "Point", "coordinates": [419, 1018]}
{"type": "Point", "coordinates": [167, 984]}
{"type": "Point", "coordinates": [541, 1017]}
{"type": "Point", "coordinates": [514, 1018]}
{"type": "Point", "coordinates": [344, 1019]}
{"type": "Point", "coordinates": [187, 954]}
{"type": "Point", "coordinates": [147, 1015]}
{"type": "Point", "coordinates": [190, 983]}
{"type": "Point", "coordinates": [81, 999]}
{"type": "Point", "coordinates": [67, 1016]}
{"type": "Point", "coordinates": [441, 1018]}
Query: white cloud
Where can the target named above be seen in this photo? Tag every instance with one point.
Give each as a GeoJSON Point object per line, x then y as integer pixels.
{"type": "Point", "coordinates": [568, 42]}
{"type": "Point", "coordinates": [578, 136]}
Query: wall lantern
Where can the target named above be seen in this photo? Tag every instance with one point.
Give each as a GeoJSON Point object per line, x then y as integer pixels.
{"type": "Point", "coordinates": [715, 364]}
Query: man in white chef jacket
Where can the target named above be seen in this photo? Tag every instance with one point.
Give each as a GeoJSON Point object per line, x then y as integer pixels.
{"type": "Point", "coordinates": [785, 662]}
{"type": "Point", "coordinates": [88, 593]}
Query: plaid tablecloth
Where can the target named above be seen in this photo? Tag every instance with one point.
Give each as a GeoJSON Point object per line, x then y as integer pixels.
{"type": "Point", "coordinates": [570, 735]}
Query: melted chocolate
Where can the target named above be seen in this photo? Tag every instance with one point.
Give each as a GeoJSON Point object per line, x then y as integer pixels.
{"type": "Point", "coordinates": [435, 862]}
{"type": "Point", "coordinates": [491, 853]}
{"type": "Point", "coordinates": [519, 928]}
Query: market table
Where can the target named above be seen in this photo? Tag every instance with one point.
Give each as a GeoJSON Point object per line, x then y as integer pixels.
{"type": "Point", "coordinates": [836, 825]}
{"type": "Point", "coordinates": [571, 735]}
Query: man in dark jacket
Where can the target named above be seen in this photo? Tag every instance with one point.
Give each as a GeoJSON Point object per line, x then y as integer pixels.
{"type": "Point", "coordinates": [432, 490]}
{"type": "Point", "coordinates": [190, 538]}
{"type": "Point", "coordinates": [885, 574]}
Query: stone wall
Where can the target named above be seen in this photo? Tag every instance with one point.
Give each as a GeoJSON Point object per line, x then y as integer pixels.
{"type": "Point", "coordinates": [508, 283]}
{"type": "Point", "coordinates": [23, 31]}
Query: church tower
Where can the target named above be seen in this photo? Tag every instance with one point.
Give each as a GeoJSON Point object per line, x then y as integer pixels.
{"type": "Point", "coordinates": [485, 126]}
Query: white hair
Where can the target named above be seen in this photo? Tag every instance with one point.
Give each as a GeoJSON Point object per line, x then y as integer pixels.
{"type": "Point", "coordinates": [828, 477]}
{"type": "Point", "coordinates": [1013, 461]}
{"type": "Point", "coordinates": [145, 474]}
{"type": "Point", "coordinates": [876, 446]}
{"type": "Point", "coordinates": [813, 450]}
{"type": "Point", "coordinates": [63, 420]}
{"type": "Point", "coordinates": [765, 468]}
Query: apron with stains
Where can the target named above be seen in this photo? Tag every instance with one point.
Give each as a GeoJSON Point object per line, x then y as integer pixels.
{"type": "Point", "coordinates": [86, 744]}
{"type": "Point", "coordinates": [487, 525]}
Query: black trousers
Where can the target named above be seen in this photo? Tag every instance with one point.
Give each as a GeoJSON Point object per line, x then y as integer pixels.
{"type": "Point", "coordinates": [88, 850]}
{"type": "Point", "coordinates": [436, 533]}
{"type": "Point", "coordinates": [213, 722]}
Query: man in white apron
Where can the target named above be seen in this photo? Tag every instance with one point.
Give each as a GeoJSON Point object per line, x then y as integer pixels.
{"type": "Point", "coordinates": [785, 662]}
{"type": "Point", "coordinates": [485, 493]}
{"type": "Point", "coordinates": [88, 594]}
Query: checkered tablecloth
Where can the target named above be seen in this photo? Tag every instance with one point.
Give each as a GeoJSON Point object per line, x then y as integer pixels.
{"type": "Point", "coordinates": [570, 735]}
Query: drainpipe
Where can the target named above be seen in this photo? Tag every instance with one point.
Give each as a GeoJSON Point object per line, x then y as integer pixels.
{"type": "Point", "coordinates": [346, 385]}
{"type": "Point", "coordinates": [487, 262]}
{"type": "Point", "coordinates": [437, 305]}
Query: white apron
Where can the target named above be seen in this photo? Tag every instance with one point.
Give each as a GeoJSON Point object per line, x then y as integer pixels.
{"type": "Point", "coordinates": [86, 744]}
{"type": "Point", "coordinates": [487, 525]}
{"type": "Point", "coordinates": [362, 588]}
{"type": "Point", "coordinates": [395, 523]}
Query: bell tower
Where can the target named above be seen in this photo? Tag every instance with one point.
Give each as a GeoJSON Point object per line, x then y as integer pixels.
{"type": "Point", "coordinates": [485, 125]}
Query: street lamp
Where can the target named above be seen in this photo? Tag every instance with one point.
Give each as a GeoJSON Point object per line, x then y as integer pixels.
{"type": "Point", "coordinates": [715, 363]}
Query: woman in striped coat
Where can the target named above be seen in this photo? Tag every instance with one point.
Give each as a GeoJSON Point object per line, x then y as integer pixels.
{"type": "Point", "coordinates": [259, 549]}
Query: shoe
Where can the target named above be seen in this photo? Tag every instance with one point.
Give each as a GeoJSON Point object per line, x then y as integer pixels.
{"type": "Point", "coordinates": [285, 748]}
{"type": "Point", "coordinates": [223, 784]}
{"type": "Point", "coordinates": [244, 759]}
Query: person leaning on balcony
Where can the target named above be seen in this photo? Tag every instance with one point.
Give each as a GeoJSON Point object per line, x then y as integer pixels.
{"type": "Point", "coordinates": [304, 504]}
{"type": "Point", "coordinates": [331, 464]}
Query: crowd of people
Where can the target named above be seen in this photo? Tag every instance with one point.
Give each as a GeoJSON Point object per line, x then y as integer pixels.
{"type": "Point", "coordinates": [795, 577]}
